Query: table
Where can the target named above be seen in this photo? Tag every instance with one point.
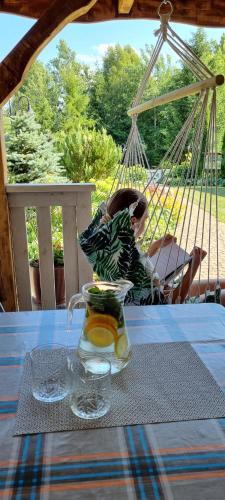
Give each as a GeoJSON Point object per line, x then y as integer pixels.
{"type": "Point", "coordinates": [165, 461]}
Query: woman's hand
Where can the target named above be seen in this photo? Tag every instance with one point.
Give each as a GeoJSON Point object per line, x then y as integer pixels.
{"type": "Point", "coordinates": [198, 254]}
{"type": "Point", "coordinates": [161, 242]}
{"type": "Point", "coordinates": [168, 239]}
{"type": "Point", "coordinates": [105, 218]}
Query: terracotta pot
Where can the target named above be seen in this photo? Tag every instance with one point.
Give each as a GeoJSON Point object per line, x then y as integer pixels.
{"type": "Point", "coordinates": [59, 284]}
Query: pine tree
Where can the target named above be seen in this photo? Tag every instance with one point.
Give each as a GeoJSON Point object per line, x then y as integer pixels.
{"type": "Point", "coordinates": [31, 155]}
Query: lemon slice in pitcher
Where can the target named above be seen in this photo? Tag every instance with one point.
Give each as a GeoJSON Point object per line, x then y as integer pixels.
{"type": "Point", "coordinates": [100, 336]}
{"type": "Point", "coordinates": [122, 346]}
{"type": "Point", "coordinates": [97, 318]}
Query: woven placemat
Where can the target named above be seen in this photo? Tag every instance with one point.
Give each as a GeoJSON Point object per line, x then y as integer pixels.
{"type": "Point", "coordinates": [162, 383]}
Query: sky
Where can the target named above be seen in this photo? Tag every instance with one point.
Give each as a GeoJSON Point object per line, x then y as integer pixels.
{"type": "Point", "coordinates": [90, 41]}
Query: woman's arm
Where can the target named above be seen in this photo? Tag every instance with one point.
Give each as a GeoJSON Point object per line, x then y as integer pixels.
{"type": "Point", "coordinates": [182, 290]}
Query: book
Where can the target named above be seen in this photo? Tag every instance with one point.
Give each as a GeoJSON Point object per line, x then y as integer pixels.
{"type": "Point", "coordinates": [169, 261]}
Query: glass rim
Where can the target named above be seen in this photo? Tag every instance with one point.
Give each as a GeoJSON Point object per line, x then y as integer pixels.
{"type": "Point", "coordinates": [49, 346]}
{"type": "Point", "coordinates": [119, 288]}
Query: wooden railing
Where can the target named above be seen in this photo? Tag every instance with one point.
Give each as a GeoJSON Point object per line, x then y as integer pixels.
{"type": "Point", "coordinates": [75, 200]}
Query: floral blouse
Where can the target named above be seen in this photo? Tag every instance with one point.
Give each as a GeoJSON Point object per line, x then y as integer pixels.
{"type": "Point", "coordinates": [112, 252]}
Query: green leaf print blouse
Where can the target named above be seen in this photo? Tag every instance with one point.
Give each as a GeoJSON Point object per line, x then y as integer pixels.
{"type": "Point", "coordinates": [111, 250]}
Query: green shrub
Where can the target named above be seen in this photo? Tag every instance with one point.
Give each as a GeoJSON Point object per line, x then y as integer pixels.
{"type": "Point", "coordinates": [88, 154]}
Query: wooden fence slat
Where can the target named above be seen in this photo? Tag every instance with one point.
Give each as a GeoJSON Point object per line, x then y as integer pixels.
{"type": "Point", "coordinates": [42, 199]}
{"type": "Point", "coordinates": [46, 264]}
{"type": "Point", "coordinates": [21, 262]}
{"type": "Point", "coordinates": [83, 220]}
{"type": "Point", "coordinates": [70, 251]}
{"type": "Point", "coordinates": [50, 188]}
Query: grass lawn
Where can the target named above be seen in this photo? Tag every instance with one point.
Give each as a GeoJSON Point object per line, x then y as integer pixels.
{"type": "Point", "coordinates": [221, 200]}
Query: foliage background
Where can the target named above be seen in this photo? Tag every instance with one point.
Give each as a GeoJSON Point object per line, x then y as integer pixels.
{"type": "Point", "coordinates": [78, 106]}
{"type": "Point", "coordinates": [78, 124]}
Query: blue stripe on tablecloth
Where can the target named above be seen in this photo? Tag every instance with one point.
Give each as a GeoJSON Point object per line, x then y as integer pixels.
{"type": "Point", "coordinates": [139, 472]}
{"type": "Point", "coordinates": [197, 467]}
{"type": "Point", "coordinates": [11, 360]}
{"type": "Point", "coordinates": [19, 480]}
{"type": "Point", "coordinates": [148, 460]}
{"type": "Point", "coordinates": [211, 347]}
{"type": "Point", "coordinates": [120, 461]}
{"type": "Point", "coordinates": [8, 403]}
{"type": "Point", "coordinates": [96, 464]}
{"type": "Point", "coordinates": [125, 461]}
{"type": "Point", "coordinates": [136, 473]}
{"type": "Point", "coordinates": [177, 331]}
{"type": "Point", "coordinates": [138, 476]}
{"type": "Point", "coordinates": [43, 327]}
{"type": "Point", "coordinates": [38, 453]}
{"type": "Point", "coordinates": [8, 410]}
{"type": "Point", "coordinates": [29, 475]}
{"type": "Point", "coordinates": [9, 407]}
{"type": "Point", "coordinates": [59, 478]}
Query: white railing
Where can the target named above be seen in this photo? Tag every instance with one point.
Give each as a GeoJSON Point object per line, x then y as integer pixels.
{"type": "Point", "coordinates": [75, 200]}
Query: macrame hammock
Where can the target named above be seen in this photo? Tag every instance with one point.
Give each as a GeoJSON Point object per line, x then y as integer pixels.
{"type": "Point", "coordinates": [190, 137]}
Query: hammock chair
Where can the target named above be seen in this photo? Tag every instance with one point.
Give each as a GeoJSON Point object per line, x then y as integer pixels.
{"type": "Point", "coordinates": [191, 219]}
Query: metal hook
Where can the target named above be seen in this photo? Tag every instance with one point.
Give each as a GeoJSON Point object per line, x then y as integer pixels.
{"type": "Point", "coordinates": [165, 2]}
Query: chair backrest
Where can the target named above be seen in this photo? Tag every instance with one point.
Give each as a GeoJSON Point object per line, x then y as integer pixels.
{"type": "Point", "coordinates": [75, 200]}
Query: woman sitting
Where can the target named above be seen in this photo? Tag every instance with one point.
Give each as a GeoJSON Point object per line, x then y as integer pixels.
{"type": "Point", "coordinates": [110, 245]}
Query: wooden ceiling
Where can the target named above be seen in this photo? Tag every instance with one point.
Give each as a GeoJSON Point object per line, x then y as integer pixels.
{"type": "Point", "coordinates": [195, 12]}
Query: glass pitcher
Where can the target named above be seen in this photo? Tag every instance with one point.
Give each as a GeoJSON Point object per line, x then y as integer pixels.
{"type": "Point", "coordinates": [104, 331]}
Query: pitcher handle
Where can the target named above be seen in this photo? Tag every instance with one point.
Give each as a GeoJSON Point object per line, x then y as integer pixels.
{"type": "Point", "coordinates": [74, 300]}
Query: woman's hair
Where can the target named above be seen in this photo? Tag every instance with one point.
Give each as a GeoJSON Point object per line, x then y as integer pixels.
{"type": "Point", "coordinates": [123, 198]}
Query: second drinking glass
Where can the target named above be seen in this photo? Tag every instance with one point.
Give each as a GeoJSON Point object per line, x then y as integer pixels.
{"type": "Point", "coordinates": [91, 392]}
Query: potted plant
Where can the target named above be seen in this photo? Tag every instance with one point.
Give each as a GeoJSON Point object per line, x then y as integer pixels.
{"type": "Point", "coordinates": [57, 254]}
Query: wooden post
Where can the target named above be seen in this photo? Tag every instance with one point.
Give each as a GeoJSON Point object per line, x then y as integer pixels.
{"type": "Point", "coordinates": [7, 282]}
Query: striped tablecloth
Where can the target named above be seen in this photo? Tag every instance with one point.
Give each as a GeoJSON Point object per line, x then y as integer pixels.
{"type": "Point", "coordinates": [184, 460]}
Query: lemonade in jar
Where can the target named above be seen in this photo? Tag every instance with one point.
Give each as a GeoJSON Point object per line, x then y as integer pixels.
{"type": "Point", "coordinates": [104, 330]}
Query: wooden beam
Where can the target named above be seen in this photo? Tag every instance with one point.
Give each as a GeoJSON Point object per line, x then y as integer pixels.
{"type": "Point", "coordinates": [124, 6]}
{"type": "Point", "coordinates": [194, 88]}
{"type": "Point", "coordinates": [14, 67]}
{"type": "Point", "coordinates": [7, 282]}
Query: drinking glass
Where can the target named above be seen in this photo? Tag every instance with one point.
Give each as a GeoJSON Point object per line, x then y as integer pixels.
{"type": "Point", "coordinates": [50, 373]}
{"type": "Point", "coordinates": [91, 393]}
